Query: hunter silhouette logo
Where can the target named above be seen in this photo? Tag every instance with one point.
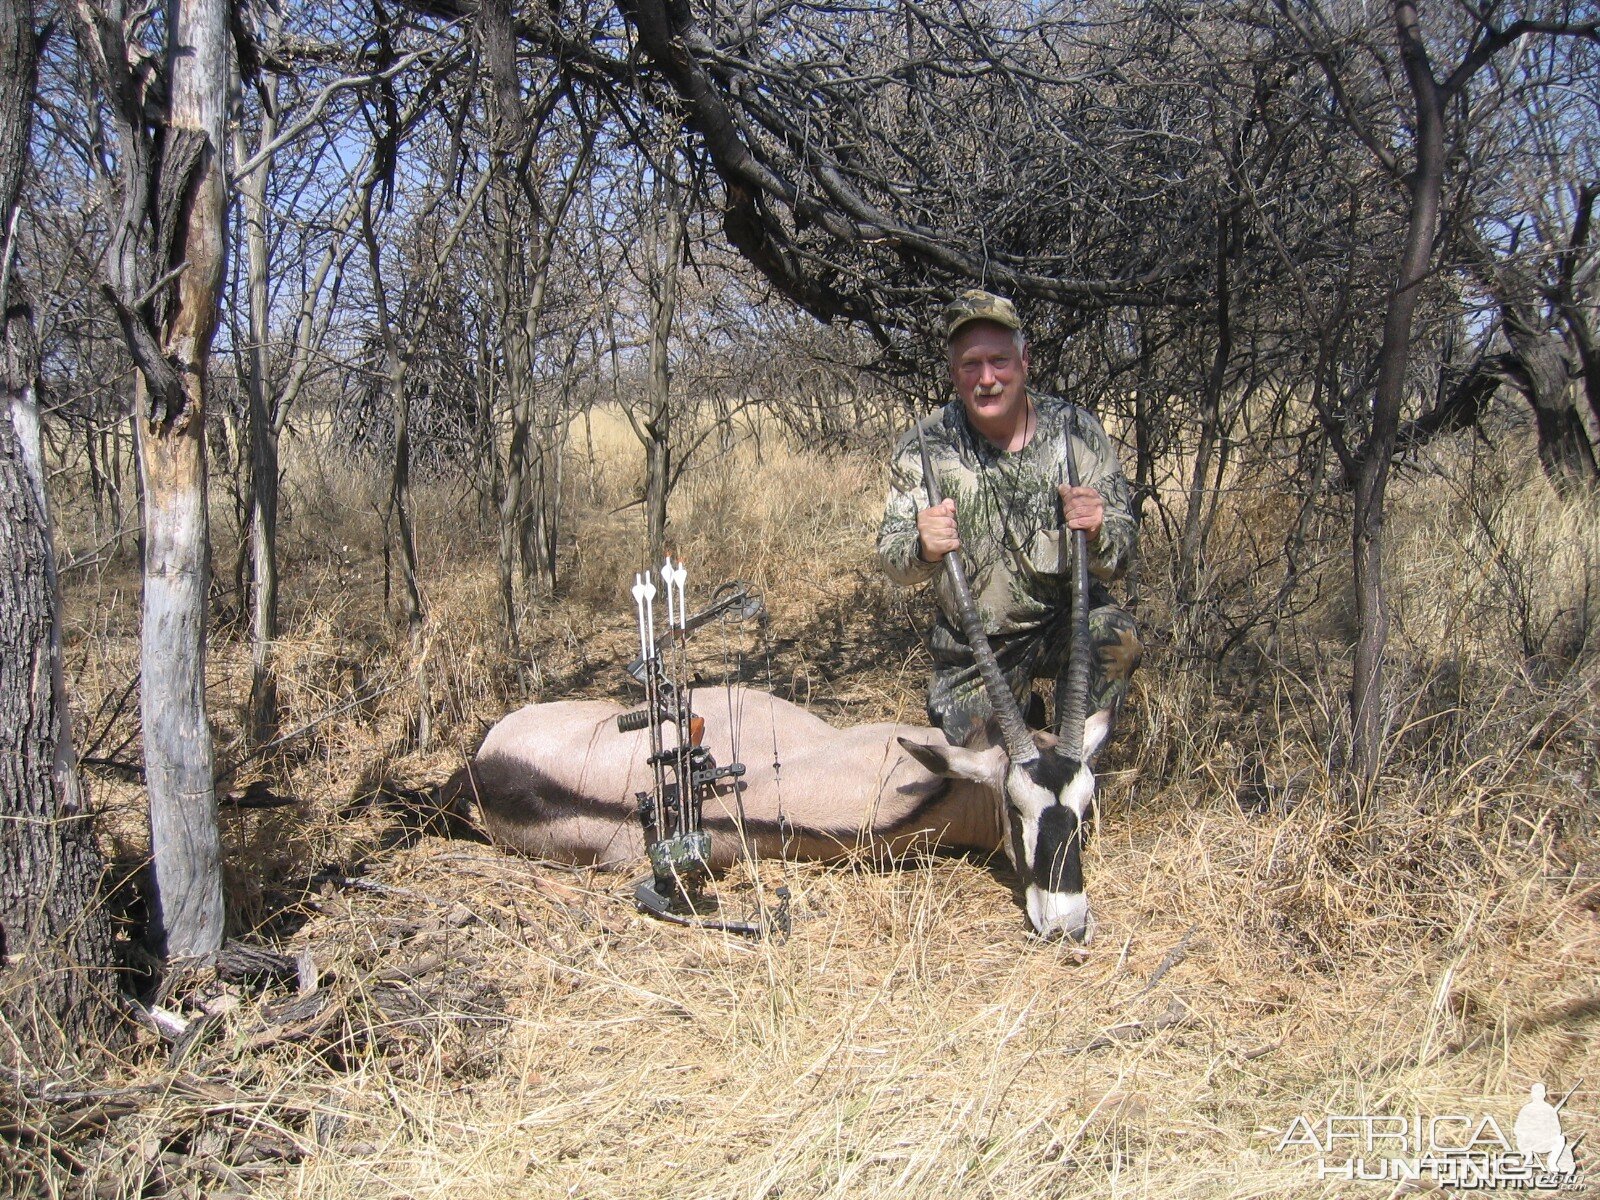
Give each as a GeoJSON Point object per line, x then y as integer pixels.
{"type": "Point", "coordinates": [1538, 1134]}
{"type": "Point", "coordinates": [1468, 1151]}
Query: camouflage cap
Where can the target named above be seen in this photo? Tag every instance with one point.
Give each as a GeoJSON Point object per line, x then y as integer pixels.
{"type": "Point", "coordinates": [975, 304]}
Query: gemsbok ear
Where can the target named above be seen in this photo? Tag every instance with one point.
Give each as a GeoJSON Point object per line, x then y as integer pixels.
{"type": "Point", "coordinates": [957, 762]}
{"type": "Point", "coordinates": [1095, 730]}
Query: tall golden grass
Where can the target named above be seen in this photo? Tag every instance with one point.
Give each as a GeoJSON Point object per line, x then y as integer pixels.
{"type": "Point", "coordinates": [510, 1028]}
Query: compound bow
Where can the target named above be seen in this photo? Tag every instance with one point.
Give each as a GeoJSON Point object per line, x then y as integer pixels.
{"type": "Point", "coordinates": [684, 773]}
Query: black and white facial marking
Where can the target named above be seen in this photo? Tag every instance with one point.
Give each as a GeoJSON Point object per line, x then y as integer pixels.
{"type": "Point", "coordinates": [1049, 806]}
{"type": "Point", "coordinates": [1049, 809]}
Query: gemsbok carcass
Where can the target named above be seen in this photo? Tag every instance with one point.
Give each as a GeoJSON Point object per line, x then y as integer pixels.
{"type": "Point", "coordinates": [559, 781]}
{"type": "Point", "coordinates": [562, 781]}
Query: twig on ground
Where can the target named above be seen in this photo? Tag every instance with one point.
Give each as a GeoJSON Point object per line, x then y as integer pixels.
{"type": "Point", "coordinates": [385, 889]}
{"type": "Point", "coordinates": [300, 1022]}
{"type": "Point", "coordinates": [1260, 1051]}
{"type": "Point", "coordinates": [1177, 1014]}
{"type": "Point", "coordinates": [1171, 959]}
{"type": "Point", "coordinates": [409, 972]}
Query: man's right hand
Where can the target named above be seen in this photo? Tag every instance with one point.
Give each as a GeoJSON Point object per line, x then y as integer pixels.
{"type": "Point", "coordinates": [936, 531]}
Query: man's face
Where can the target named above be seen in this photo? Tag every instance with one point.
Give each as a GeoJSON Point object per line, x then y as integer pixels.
{"type": "Point", "coordinates": [989, 373]}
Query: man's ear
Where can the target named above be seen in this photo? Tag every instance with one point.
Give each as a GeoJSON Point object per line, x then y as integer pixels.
{"type": "Point", "coordinates": [957, 762]}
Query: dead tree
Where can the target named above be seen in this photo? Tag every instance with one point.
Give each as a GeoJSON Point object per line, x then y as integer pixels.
{"type": "Point", "coordinates": [164, 278]}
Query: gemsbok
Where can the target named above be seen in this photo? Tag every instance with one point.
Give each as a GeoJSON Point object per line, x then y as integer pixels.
{"type": "Point", "coordinates": [560, 781]}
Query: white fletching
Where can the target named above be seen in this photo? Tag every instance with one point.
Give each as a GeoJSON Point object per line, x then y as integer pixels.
{"type": "Point", "coordinates": [674, 577]}
{"type": "Point", "coordinates": [650, 613]}
{"type": "Point", "coordinates": [638, 603]}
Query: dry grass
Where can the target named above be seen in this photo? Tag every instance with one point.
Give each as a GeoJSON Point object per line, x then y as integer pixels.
{"type": "Point", "coordinates": [494, 1027]}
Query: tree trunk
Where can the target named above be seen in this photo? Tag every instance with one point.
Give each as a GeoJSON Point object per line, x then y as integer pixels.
{"type": "Point", "coordinates": [514, 479]}
{"type": "Point", "coordinates": [261, 714]}
{"type": "Point", "coordinates": [271, 396]}
{"type": "Point", "coordinates": [98, 486]}
{"type": "Point", "coordinates": [1426, 185]}
{"type": "Point", "coordinates": [400, 505]}
{"type": "Point", "coordinates": [1583, 342]}
{"type": "Point", "coordinates": [486, 453]}
{"type": "Point", "coordinates": [1569, 301]}
{"type": "Point", "coordinates": [262, 725]}
{"type": "Point", "coordinates": [185, 843]}
{"type": "Point", "coordinates": [164, 269]}
{"type": "Point", "coordinates": [533, 529]}
{"type": "Point", "coordinates": [112, 450]}
{"type": "Point", "coordinates": [519, 289]}
{"type": "Point", "coordinates": [1460, 408]}
{"type": "Point", "coordinates": [394, 362]}
{"type": "Point", "coordinates": [1539, 369]}
{"type": "Point", "coordinates": [556, 449]}
{"type": "Point", "coordinates": [1539, 363]}
{"type": "Point", "coordinates": [184, 840]}
{"type": "Point", "coordinates": [56, 954]}
{"type": "Point", "coordinates": [1191, 545]}
{"type": "Point", "coordinates": [1144, 459]}
{"type": "Point", "coordinates": [552, 522]}
{"type": "Point", "coordinates": [56, 951]}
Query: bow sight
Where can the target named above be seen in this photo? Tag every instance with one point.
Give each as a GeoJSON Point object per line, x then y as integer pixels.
{"type": "Point", "coordinates": [684, 774]}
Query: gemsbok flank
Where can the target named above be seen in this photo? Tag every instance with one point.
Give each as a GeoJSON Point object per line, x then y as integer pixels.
{"type": "Point", "coordinates": [559, 781]}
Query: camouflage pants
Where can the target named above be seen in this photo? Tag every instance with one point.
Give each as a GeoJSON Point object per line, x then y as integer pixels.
{"type": "Point", "coordinates": [958, 705]}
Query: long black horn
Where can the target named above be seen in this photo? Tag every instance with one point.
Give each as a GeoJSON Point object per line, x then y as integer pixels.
{"type": "Point", "coordinates": [1075, 705]}
{"type": "Point", "coordinates": [1020, 746]}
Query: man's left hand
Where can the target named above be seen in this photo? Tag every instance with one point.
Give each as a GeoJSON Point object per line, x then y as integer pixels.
{"type": "Point", "coordinates": [1084, 507]}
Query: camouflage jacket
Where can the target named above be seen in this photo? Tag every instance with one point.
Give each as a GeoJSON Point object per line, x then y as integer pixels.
{"type": "Point", "coordinates": [1008, 515]}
